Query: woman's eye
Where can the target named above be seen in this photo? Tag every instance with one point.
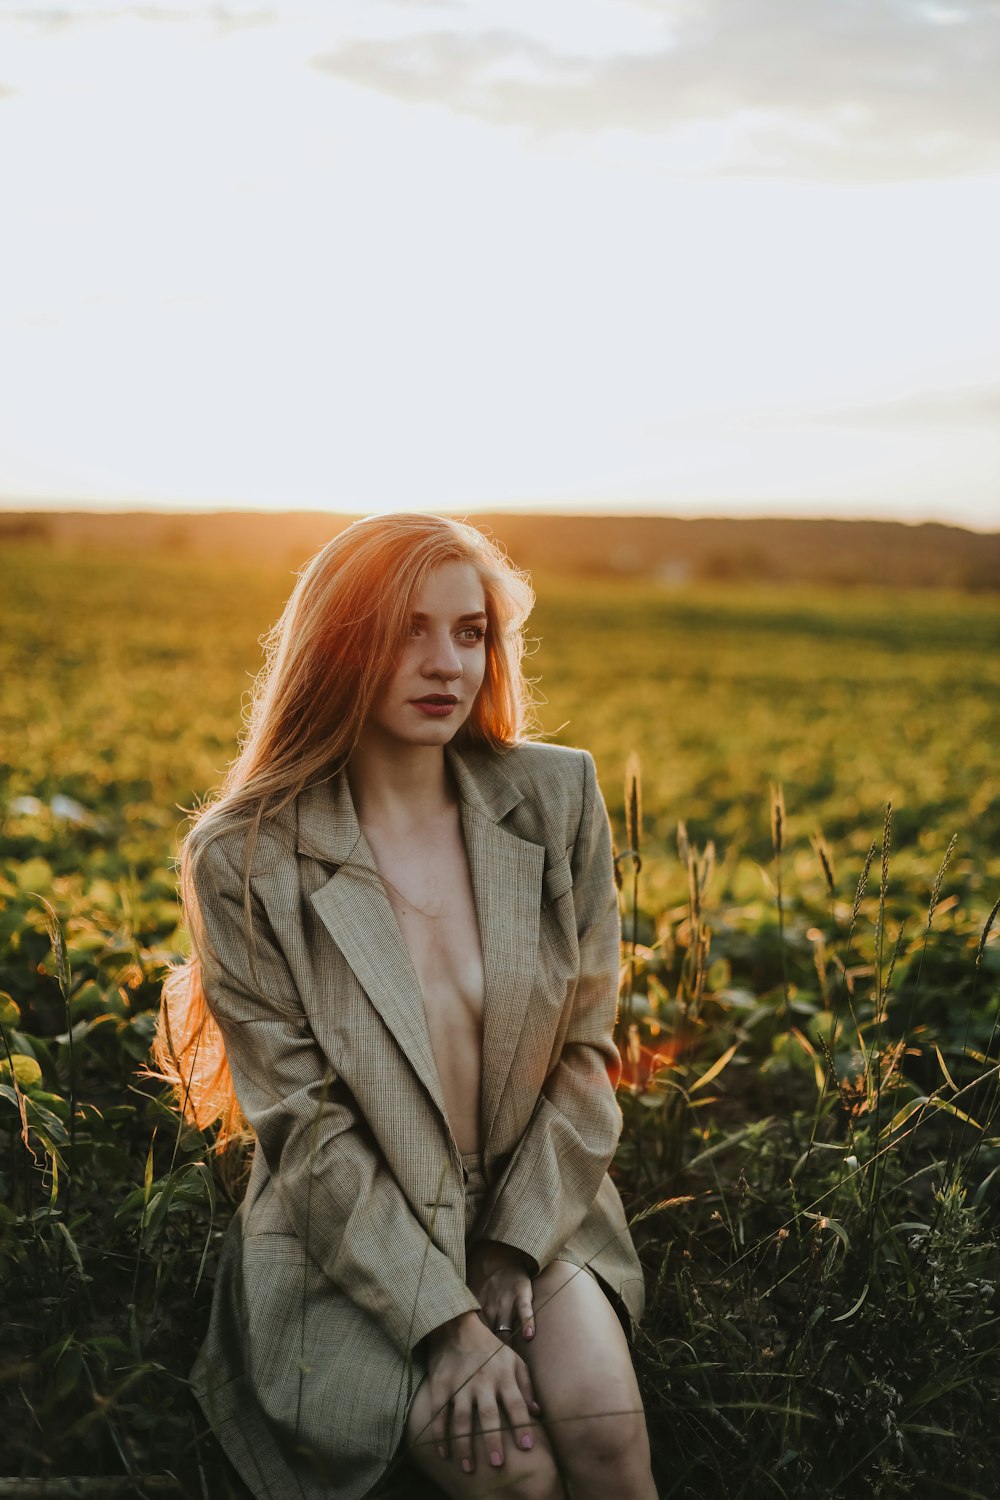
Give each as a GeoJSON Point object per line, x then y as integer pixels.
{"type": "Point", "coordinates": [470, 634]}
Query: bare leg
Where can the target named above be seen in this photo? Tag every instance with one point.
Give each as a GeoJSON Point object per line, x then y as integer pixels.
{"type": "Point", "coordinates": [522, 1476]}
{"type": "Point", "coordinates": [582, 1372]}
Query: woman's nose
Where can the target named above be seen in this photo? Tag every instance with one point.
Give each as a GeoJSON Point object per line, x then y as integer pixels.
{"type": "Point", "coordinates": [442, 659]}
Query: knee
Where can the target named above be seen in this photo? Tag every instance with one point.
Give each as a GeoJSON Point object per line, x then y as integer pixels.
{"type": "Point", "coordinates": [540, 1482]}
{"type": "Point", "coordinates": [615, 1445]}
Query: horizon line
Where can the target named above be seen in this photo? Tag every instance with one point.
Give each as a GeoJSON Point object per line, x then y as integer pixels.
{"type": "Point", "coordinates": [593, 511]}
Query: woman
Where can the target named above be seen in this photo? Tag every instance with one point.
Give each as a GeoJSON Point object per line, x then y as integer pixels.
{"type": "Point", "coordinates": [404, 983]}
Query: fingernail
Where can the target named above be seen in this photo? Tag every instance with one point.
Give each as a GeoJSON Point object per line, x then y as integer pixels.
{"type": "Point", "coordinates": [496, 1459]}
{"type": "Point", "coordinates": [529, 1332]}
{"type": "Point", "coordinates": [536, 1406]}
{"type": "Point", "coordinates": [467, 1465]}
{"type": "Point", "coordinates": [526, 1441]}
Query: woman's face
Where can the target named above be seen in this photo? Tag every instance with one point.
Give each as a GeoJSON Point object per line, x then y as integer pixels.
{"type": "Point", "coordinates": [430, 695]}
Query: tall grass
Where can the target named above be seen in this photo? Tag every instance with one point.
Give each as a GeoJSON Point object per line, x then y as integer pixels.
{"type": "Point", "coordinates": [824, 1318]}
{"type": "Point", "coordinates": [809, 1159]}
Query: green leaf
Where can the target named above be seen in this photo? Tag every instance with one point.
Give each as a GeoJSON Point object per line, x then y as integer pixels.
{"type": "Point", "coordinates": [49, 1127]}
{"type": "Point", "coordinates": [55, 1102]}
{"type": "Point", "coordinates": [73, 1248]}
{"type": "Point", "coordinates": [842, 1317]}
{"type": "Point", "coordinates": [15, 1097]}
{"type": "Point", "coordinates": [26, 1070]}
{"type": "Point", "coordinates": [980, 1192]}
{"type": "Point", "coordinates": [902, 1115]}
{"type": "Point", "coordinates": [147, 1177]}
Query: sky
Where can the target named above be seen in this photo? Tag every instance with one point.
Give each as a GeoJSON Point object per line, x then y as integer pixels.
{"type": "Point", "coordinates": [716, 257]}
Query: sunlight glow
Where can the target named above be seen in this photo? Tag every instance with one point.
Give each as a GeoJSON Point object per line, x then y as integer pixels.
{"type": "Point", "coordinates": [241, 272]}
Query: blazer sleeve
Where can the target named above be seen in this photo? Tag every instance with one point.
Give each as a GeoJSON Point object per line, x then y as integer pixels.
{"type": "Point", "coordinates": [345, 1205]}
{"type": "Point", "coordinates": [560, 1161]}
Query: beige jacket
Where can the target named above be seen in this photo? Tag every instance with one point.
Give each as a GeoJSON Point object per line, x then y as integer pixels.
{"type": "Point", "coordinates": [349, 1246]}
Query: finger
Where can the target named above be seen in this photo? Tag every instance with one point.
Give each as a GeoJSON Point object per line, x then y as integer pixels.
{"type": "Point", "coordinates": [461, 1435]}
{"type": "Point", "coordinates": [524, 1313]}
{"type": "Point", "coordinates": [503, 1320]}
{"type": "Point", "coordinates": [516, 1407]}
{"type": "Point", "coordinates": [492, 1310]}
{"type": "Point", "coordinates": [523, 1377]}
{"type": "Point", "coordinates": [489, 1425]}
{"type": "Point", "coordinates": [440, 1412]}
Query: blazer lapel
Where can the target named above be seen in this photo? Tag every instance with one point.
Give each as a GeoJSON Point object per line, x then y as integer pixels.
{"type": "Point", "coordinates": [507, 879]}
{"type": "Point", "coordinates": [506, 873]}
{"type": "Point", "coordinates": [358, 915]}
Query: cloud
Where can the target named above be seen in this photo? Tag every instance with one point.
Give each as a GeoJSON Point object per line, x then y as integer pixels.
{"type": "Point", "coordinates": [966, 406]}
{"type": "Point", "coordinates": [226, 17]}
{"type": "Point", "coordinates": [840, 89]}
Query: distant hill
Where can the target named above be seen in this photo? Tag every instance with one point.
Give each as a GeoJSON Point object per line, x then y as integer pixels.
{"type": "Point", "coordinates": [673, 549]}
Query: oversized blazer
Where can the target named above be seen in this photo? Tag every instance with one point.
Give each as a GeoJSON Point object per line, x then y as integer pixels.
{"type": "Point", "coordinates": [349, 1246]}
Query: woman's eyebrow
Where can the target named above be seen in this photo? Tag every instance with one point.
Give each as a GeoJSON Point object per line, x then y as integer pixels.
{"type": "Point", "coordinates": [477, 614]}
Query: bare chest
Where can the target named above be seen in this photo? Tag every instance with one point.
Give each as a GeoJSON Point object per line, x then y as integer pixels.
{"type": "Point", "coordinates": [430, 890]}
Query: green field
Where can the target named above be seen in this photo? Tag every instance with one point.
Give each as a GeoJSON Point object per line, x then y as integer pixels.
{"type": "Point", "coordinates": [793, 1300]}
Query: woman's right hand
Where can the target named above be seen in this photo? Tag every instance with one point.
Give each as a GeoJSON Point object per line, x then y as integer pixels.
{"type": "Point", "coordinates": [471, 1372]}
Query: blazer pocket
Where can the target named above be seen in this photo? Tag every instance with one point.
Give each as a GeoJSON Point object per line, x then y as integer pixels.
{"type": "Point", "coordinates": [558, 878]}
{"type": "Point", "coordinates": [280, 1244]}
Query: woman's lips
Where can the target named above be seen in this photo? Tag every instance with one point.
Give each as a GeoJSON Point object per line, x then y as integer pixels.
{"type": "Point", "coordinates": [435, 708]}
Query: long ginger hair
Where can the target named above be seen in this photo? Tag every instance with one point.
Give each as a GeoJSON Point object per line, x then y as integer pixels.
{"type": "Point", "coordinates": [335, 645]}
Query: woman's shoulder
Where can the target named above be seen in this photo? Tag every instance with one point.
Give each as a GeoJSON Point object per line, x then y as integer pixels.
{"type": "Point", "coordinates": [220, 836]}
{"type": "Point", "coordinates": [552, 768]}
{"type": "Point", "coordinates": [554, 782]}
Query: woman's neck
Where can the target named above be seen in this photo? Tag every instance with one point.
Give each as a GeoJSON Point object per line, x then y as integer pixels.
{"type": "Point", "coordinates": [399, 787]}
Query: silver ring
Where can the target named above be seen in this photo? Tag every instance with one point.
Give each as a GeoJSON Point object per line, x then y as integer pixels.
{"type": "Point", "coordinates": [502, 1328]}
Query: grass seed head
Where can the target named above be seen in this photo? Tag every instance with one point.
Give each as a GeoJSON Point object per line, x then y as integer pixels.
{"type": "Point", "coordinates": [939, 879]}
{"type": "Point", "coordinates": [616, 864]}
{"type": "Point", "coordinates": [886, 845]}
{"type": "Point", "coordinates": [986, 932]}
{"type": "Point", "coordinates": [826, 860]}
{"type": "Point", "coordinates": [633, 808]}
{"type": "Point", "coordinates": [777, 817]}
{"type": "Point", "coordinates": [863, 881]}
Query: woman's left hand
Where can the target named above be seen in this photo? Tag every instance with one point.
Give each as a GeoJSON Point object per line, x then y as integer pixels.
{"type": "Point", "coordinates": [498, 1275]}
